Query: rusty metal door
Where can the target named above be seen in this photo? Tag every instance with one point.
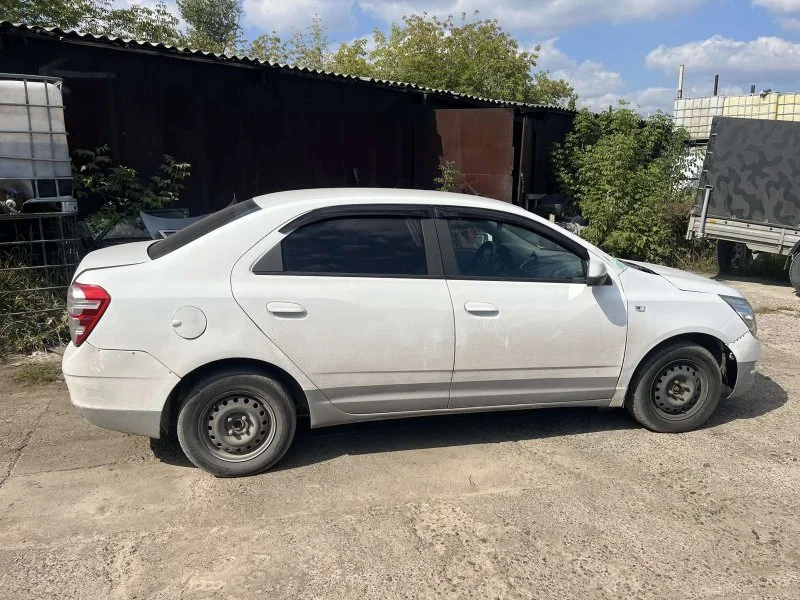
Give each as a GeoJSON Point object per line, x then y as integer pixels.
{"type": "Point", "coordinates": [480, 141]}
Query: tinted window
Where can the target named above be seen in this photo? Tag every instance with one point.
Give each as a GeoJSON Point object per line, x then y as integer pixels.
{"type": "Point", "coordinates": [357, 245]}
{"type": "Point", "coordinates": [201, 228]}
{"type": "Point", "coordinates": [497, 250]}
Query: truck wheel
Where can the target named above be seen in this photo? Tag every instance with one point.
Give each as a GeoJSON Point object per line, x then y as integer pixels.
{"type": "Point", "coordinates": [794, 273]}
{"type": "Point", "coordinates": [732, 256]}
{"type": "Point", "coordinates": [724, 252]}
{"type": "Point", "coordinates": [235, 423]}
{"type": "Point", "coordinates": [676, 389]}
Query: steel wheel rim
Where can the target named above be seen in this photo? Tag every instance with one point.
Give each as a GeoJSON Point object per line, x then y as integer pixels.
{"type": "Point", "coordinates": [678, 390]}
{"type": "Point", "coordinates": [237, 426]}
{"type": "Point", "coordinates": [739, 256]}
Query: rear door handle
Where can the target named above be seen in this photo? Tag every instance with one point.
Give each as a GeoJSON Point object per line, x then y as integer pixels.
{"type": "Point", "coordinates": [481, 309]}
{"type": "Point", "coordinates": [286, 309]}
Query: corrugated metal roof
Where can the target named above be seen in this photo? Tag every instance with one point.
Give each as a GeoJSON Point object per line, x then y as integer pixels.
{"type": "Point", "coordinates": [135, 45]}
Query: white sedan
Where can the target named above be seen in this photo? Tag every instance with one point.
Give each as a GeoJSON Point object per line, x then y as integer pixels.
{"type": "Point", "coordinates": [354, 305]}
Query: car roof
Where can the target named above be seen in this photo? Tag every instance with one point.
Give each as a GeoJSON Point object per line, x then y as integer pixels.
{"type": "Point", "coordinates": [337, 196]}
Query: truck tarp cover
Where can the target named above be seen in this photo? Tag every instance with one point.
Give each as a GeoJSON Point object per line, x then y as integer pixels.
{"type": "Point", "coordinates": [753, 167]}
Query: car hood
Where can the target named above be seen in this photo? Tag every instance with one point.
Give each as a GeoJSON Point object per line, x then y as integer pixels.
{"type": "Point", "coordinates": [687, 282]}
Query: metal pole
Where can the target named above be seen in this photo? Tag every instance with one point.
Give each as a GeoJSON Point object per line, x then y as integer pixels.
{"type": "Point", "coordinates": [716, 84]}
{"type": "Point", "coordinates": [30, 132]}
{"type": "Point", "coordinates": [41, 239]}
{"type": "Point", "coordinates": [704, 212]}
{"type": "Point", "coordinates": [520, 171]}
{"type": "Point", "coordinates": [680, 81]}
{"type": "Point", "coordinates": [50, 129]}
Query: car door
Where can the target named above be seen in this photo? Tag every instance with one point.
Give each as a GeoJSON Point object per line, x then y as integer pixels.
{"type": "Point", "coordinates": [528, 328]}
{"type": "Point", "coordinates": [355, 297]}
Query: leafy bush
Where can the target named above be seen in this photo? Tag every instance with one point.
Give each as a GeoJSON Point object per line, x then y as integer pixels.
{"type": "Point", "coordinates": [448, 176]}
{"type": "Point", "coordinates": [120, 189]}
{"type": "Point", "coordinates": [627, 177]}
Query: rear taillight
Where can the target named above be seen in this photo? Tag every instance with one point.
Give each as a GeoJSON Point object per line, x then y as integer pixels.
{"type": "Point", "coordinates": [85, 305]}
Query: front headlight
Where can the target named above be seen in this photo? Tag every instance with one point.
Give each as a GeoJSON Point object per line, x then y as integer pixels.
{"type": "Point", "coordinates": [744, 310]}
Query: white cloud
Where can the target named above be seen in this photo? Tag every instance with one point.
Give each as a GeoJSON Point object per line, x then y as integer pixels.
{"type": "Point", "coordinates": [645, 101]}
{"type": "Point", "coordinates": [652, 99]}
{"type": "Point", "coordinates": [768, 58]}
{"type": "Point", "coordinates": [784, 6]}
{"type": "Point", "coordinates": [283, 15]}
{"type": "Point", "coordinates": [599, 87]}
{"type": "Point", "coordinates": [589, 78]}
{"type": "Point", "coordinates": [790, 23]}
{"type": "Point", "coordinates": [783, 10]}
{"type": "Point", "coordinates": [543, 16]}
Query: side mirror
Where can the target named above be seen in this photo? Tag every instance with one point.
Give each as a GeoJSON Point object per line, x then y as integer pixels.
{"type": "Point", "coordinates": [598, 274]}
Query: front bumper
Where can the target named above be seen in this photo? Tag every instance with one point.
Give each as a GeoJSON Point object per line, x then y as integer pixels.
{"type": "Point", "coordinates": [746, 350]}
{"type": "Point", "coordinates": [117, 389]}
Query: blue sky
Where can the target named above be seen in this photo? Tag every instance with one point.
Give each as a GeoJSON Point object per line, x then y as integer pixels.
{"type": "Point", "coordinates": [608, 49]}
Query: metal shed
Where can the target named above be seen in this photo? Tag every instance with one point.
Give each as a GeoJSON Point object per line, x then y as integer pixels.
{"type": "Point", "coordinates": [249, 127]}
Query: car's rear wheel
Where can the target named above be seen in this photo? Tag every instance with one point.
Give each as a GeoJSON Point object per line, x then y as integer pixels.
{"type": "Point", "coordinates": [236, 423]}
{"type": "Point", "coordinates": [676, 389]}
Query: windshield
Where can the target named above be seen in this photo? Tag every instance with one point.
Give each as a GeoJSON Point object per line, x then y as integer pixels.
{"type": "Point", "coordinates": [615, 263]}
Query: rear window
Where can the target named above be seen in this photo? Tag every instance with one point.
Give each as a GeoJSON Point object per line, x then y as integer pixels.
{"type": "Point", "coordinates": [197, 230]}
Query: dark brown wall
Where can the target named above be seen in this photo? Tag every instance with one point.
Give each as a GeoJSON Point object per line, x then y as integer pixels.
{"type": "Point", "coordinates": [245, 131]}
{"type": "Point", "coordinates": [248, 131]}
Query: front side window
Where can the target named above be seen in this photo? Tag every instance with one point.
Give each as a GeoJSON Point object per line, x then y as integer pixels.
{"type": "Point", "coordinates": [498, 250]}
{"type": "Point", "coordinates": [392, 246]}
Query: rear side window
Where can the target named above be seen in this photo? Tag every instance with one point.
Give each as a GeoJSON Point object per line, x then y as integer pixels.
{"type": "Point", "coordinates": [357, 246]}
{"type": "Point", "coordinates": [197, 230]}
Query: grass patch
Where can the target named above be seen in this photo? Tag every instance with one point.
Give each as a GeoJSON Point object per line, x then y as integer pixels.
{"type": "Point", "coordinates": [36, 319]}
{"type": "Point", "coordinates": [38, 373]}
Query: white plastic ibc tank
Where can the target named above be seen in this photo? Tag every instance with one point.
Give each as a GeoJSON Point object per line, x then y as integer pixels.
{"type": "Point", "coordinates": [695, 115]}
{"type": "Point", "coordinates": [45, 130]}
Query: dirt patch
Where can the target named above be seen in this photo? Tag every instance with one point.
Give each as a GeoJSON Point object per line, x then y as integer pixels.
{"type": "Point", "coordinates": [542, 504]}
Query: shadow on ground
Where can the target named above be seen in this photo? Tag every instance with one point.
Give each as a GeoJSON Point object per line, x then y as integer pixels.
{"type": "Point", "coordinates": [317, 445]}
{"type": "Point", "coordinates": [779, 280]}
{"type": "Point", "coordinates": [764, 397]}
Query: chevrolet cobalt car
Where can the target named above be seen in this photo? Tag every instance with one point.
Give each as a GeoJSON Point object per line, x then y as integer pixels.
{"type": "Point", "coordinates": [354, 305]}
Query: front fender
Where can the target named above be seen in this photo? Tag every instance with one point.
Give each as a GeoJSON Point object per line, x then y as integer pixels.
{"type": "Point", "coordinates": [657, 312]}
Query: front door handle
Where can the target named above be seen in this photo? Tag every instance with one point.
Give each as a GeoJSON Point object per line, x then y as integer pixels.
{"type": "Point", "coordinates": [481, 309]}
{"type": "Point", "coordinates": [286, 309]}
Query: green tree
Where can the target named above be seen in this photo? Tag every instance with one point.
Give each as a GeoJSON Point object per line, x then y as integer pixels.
{"type": "Point", "coordinates": [120, 189]}
{"type": "Point", "coordinates": [627, 177]}
{"type": "Point", "coordinates": [213, 25]}
{"type": "Point", "coordinates": [557, 91]}
{"type": "Point", "coordinates": [471, 56]}
{"type": "Point", "coordinates": [352, 59]}
{"type": "Point", "coordinates": [86, 15]}
{"type": "Point", "coordinates": [305, 47]}
{"type": "Point", "coordinates": [157, 25]}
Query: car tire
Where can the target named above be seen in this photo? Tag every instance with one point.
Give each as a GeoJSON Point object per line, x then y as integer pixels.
{"type": "Point", "coordinates": [236, 423]}
{"type": "Point", "coordinates": [794, 273]}
{"type": "Point", "coordinates": [676, 389]}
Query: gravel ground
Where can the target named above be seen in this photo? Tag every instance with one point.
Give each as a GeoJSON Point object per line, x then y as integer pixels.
{"type": "Point", "coordinates": [567, 503]}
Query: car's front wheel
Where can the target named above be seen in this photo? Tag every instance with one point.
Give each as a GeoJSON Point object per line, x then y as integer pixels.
{"type": "Point", "coordinates": [676, 389]}
{"type": "Point", "coordinates": [236, 423]}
